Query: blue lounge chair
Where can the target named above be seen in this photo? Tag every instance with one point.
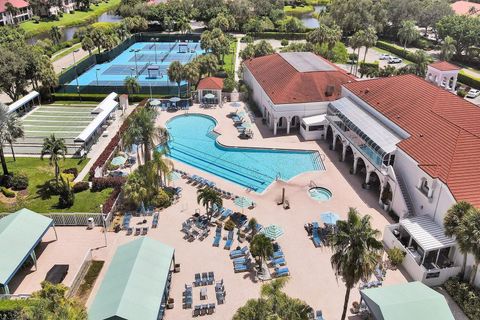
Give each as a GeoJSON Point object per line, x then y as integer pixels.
{"type": "Point", "coordinates": [279, 261]}
{"type": "Point", "coordinates": [226, 214]}
{"type": "Point", "coordinates": [198, 280]}
{"type": "Point", "coordinates": [229, 242]}
{"type": "Point", "coordinates": [238, 253]}
{"type": "Point", "coordinates": [277, 255]}
{"type": "Point", "coordinates": [241, 260]}
{"type": "Point", "coordinates": [282, 272]}
{"type": "Point", "coordinates": [319, 315]}
{"type": "Point", "coordinates": [216, 240]}
{"type": "Point", "coordinates": [240, 268]}
{"type": "Point", "coordinates": [129, 231]}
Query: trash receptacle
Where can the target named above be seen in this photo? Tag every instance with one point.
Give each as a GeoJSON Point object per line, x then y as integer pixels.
{"type": "Point", "coordinates": [90, 223]}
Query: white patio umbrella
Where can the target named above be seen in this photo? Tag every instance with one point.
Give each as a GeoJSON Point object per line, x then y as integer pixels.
{"type": "Point", "coordinates": [209, 96]}
{"type": "Point", "coordinates": [272, 231]}
{"type": "Point", "coordinates": [155, 103]}
{"type": "Point", "coordinates": [243, 202]}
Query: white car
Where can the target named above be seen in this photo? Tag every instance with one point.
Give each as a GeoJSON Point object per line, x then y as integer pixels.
{"type": "Point", "coordinates": [394, 60]}
{"type": "Point", "coordinates": [473, 93]}
{"type": "Point", "coordinates": [385, 56]}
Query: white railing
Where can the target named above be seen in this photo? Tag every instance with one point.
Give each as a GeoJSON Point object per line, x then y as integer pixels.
{"type": "Point", "coordinates": [432, 277]}
{"type": "Point", "coordinates": [71, 219]}
{"type": "Point", "coordinates": [81, 272]}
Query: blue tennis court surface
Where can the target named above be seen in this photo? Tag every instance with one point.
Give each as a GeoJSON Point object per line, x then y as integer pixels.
{"type": "Point", "coordinates": [147, 60]}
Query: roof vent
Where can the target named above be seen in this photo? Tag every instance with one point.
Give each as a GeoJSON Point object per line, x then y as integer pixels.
{"type": "Point", "coordinates": [398, 116]}
{"type": "Point", "coordinates": [367, 90]}
{"type": "Point", "coordinates": [329, 91]}
{"type": "Point", "coordinates": [421, 135]}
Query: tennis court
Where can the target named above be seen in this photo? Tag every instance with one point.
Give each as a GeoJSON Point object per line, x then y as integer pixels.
{"type": "Point", "coordinates": [148, 61]}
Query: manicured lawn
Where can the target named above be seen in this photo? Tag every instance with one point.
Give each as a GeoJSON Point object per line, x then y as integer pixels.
{"type": "Point", "coordinates": [68, 20]}
{"type": "Point", "coordinates": [298, 9]}
{"type": "Point", "coordinates": [66, 52]}
{"type": "Point", "coordinates": [39, 172]}
{"type": "Point", "coordinates": [229, 59]}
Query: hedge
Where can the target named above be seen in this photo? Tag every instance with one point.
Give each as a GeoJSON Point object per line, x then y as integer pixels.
{"type": "Point", "coordinates": [467, 297]}
{"type": "Point", "coordinates": [395, 50]}
{"type": "Point", "coordinates": [10, 309]}
{"type": "Point", "coordinates": [99, 97]}
{"type": "Point", "coordinates": [279, 35]}
{"type": "Point", "coordinates": [469, 80]}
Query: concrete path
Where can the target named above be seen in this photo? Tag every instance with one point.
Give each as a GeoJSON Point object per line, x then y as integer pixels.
{"type": "Point", "coordinates": [67, 61]}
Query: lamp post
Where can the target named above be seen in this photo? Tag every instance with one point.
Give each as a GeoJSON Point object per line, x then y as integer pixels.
{"type": "Point", "coordinates": [131, 72]}
{"type": "Point", "coordinates": [76, 73]}
{"type": "Point", "coordinates": [96, 74]}
{"type": "Point", "coordinates": [104, 224]}
{"type": "Point", "coordinates": [135, 53]}
{"type": "Point", "coordinates": [64, 85]}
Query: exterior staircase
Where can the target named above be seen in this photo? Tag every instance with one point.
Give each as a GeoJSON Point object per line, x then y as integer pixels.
{"type": "Point", "coordinates": [406, 196]}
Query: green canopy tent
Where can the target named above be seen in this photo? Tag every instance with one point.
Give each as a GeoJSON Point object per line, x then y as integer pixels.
{"type": "Point", "coordinates": [136, 282]}
{"type": "Point", "coordinates": [20, 233]}
{"type": "Point", "coordinates": [412, 300]}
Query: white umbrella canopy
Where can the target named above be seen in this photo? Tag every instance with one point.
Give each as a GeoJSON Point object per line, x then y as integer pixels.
{"type": "Point", "coordinates": [272, 231]}
{"type": "Point", "coordinates": [209, 96]}
{"type": "Point", "coordinates": [174, 99]}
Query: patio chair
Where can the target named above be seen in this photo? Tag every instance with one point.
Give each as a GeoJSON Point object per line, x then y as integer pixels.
{"type": "Point", "coordinates": [196, 311]}
{"type": "Point", "coordinates": [220, 298]}
{"type": "Point", "coordinates": [198, 280]}
{"type": "Point", "coordinates": [204, 278]}
{"type": "Point", "coordinates": [279, 261]}
{"type": "Point", "coordinates": [240, 268]}
{"type": "Point", "coordinates": [226, 214]}
{"type": "Point", "coordinates": [211, 277]}
{"type": "Point", "coordinates": [277, 255]}
{"type": "Point", "coordinates": [242, 260]}
{"type": "Point", "coordinates": [238, 253]}
{"type": "Point", "coordinates": [129, 231]}
{"type": "Point", "coordinates": [280, 272]}
{"type": "Point", "coordinates": [137, 231]}
{"type": "Point", "coordinates": [319, 315]}
{"type": "Point", "coordinates": [211, 308]}
{"type": "Point", "coordinates": [144, 231]}
{"type": "Point", "coordinates": [187, 303]}
{"type": "Point", "coordinates": [229, 242]}
{"type": "Point", "coordinates": [216, 240]}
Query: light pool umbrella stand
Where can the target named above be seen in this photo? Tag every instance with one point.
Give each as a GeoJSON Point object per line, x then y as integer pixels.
{"type": "Point", "coordinates": [209, 96]}
{"type": "Point", "coordinates": [243, 202]}
{"type": "Point", "coordinates": [174, 99]}
{"type": "Point", "coordinates": [272, 231]}
{"type": "Point", "coordinates": [329, 218]}
{"type": "Point", "coordinates": [155, 103]}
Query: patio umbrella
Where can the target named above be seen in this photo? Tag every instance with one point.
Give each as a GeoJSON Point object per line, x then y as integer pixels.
{"type": "Point", "coordinates": [329, 217]}
{"type": "Point", "coordinates": [209, 96]}
{"type": "Point", "coordinates": [243, 202]}
{"type": "Point", "coordinates": [272, 231]}
{"type": "Point", "coordinates": [118, 161]}
{"type": "Point", "coordinates": [155, 103]}
{"type": "Point", "coordinates": [175, 99]}
{"type": "Point", "coordinates": [174, 175]}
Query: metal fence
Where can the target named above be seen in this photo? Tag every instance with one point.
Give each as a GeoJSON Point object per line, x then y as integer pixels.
{"type": "Point", "coordinates": [72, 219]}
{"type": "Point", "coordinates": [82, 271]}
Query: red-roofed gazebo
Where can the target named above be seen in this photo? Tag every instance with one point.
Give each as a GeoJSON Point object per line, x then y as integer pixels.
{"type": "Point", "coordinates": [210, 91]}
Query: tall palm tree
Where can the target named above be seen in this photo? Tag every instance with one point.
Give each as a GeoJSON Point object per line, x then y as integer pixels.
{"type": "Point", "coordinates": [448, 48]}
{"type": "Point", "coordinates": [355, 251]}
{"type": "Point", "coordinates": [252, 225]}
{"type": "Point", "coordinates": [55, 34]}
{"type": "Point", "coordinates": [370, 39]}
{"type": "Point", "coordinates": [4, 132]}
{"type": "Point", "coordinates": [358, 39]}
{"type": "Point", "coordinates": [470, 230]}
{"type": "Point", "coordinates": [14, 131]}
{"type": "Point", "coordinates": [162, 166]}
{"type": "Point", "coordinates": [209, 197]}
{"type": "Point", "coordinates": [261, 246]}
{"type": "Point", "coordinates": [192, 74]}
{"type": "Point", "coordinates": [408, 33]}
{"type": "Point", "coordinates": [354, 43]}
{"type": "Point", "coordinates": [57, 149]}
{"type": "Point", "coordinates": [143, 131]}
{"type": "Point", "coordinates": [254, 309]}
{"type": "Point", "coordinates": [132, 85]}
{"type": "Point", "coordinates": [176, 73]}
{"type": "Point", "coordinates": [421, 60]}
{"type": "Point", "coordinates": [88, 45]}
{"type": "Point", "coordinates": [452, 222]}
{"type": "Point", "coordinates": [325, 34]}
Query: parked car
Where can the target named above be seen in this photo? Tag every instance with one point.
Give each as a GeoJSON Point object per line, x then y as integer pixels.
{"type": "Point", "coordinates": [473, 93]}
{"type": "Point", "coordinates": [394, 60]}
{"type": "Point", "coordinates": [57, 273]}
{"type": "Point", "coordinates": [385, 56]}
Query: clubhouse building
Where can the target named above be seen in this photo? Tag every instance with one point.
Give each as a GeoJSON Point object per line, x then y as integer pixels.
{"type": "Point", "coordinates": [415, 143]}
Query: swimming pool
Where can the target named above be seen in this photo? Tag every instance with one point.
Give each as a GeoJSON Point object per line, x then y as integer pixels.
{"type": "Point", "coordinates": [150, 60]}
{"type": "Point", "coordinates": [193, 142]}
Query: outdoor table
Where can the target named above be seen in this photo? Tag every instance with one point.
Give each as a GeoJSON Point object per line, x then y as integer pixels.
{"type": "Point", "coordinates": [203, 294]}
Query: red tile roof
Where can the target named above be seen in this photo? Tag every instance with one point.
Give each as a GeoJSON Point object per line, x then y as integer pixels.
{"type": "Point", "coordinates": [463, 7]}
{"type": "Point", "coordinates": [444, 129]}
{"type": "Point", "coordinates": [210, 83]}
{"type": "Point", "coordinates": [16, 3]}
{"type": "Point", "coordinates": [444, 66]}
{"type": "Point", "coordinates": [284, 84]}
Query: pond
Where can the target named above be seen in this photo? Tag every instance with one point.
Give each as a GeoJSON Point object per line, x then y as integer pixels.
{"type": "Point", "coordinates": [69, 32]}
{"type": "Point", "coordinates": [308, 19]}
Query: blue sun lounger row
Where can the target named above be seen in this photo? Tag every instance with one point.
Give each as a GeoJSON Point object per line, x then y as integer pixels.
{"type": "Point", "coordinates": [226, 213]}
{"type": "Point", "coordinates": [229, 242]}
{"type": "Point", "coordinates": [218, 236]}
{"type": "Point", "coordinates": [279, 261]}
{"type": "Point", "coordinates": [238, 253]}
{"type": "Point", "coordinates": [281, 272]}
{"type": "Point", "coordinates": [241, 267]}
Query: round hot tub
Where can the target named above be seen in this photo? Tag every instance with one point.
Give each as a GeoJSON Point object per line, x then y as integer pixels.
{"type": "Point", "coordinates": [320, 193]}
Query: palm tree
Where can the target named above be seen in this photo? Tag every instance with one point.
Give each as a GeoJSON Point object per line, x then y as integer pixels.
{"type": "Point", "coordinates": [132, 85]}
{"type": "Point", "coordinates": [387, 71]}
{"type": "Point", "coordinates": [370, 39]}
{"type": "Point", "coordinates": [470, 231]}
{"type": "Point", "coordinates": [421, 60]}
{"type": "Point", "coordinates": [142, 130]}
{"type": "Point", "coordinates": [176, 73]}
{"type": "Point", "coordinates": [355, 251]}
{"type": "Point", "coordinates": [134, 189]}
{"type": "Point", "coordinates": [325, 34]}
{"type": "Point", "coordinates": [14, 131]}
{"type": "Point", "coordinates": [4, 132]}
{"type": "Point", "coordinates": [55, 34]}
{"type": "Point", "coordinates": [57, 149]}
{"type": "Point", "coordinates": [261, 246]}
{"type": "Point", "coordinates": [88, 45]}
{"type": "Point", "coordinates": [358, 39]}
{"type": "Point", "coordinates": [448, 48]}
{"type": "Point", "coordinates": [452, 223]}
{"type": "Point", "coordinates": [408, 33]}
{"type": "Point", "coordinates": [192, 74]}
{"type": "Point", "coordinates": [184, 25]}
{"type": "Point", "coordinates": [209, 197]}
{"type": "Point", "coordinates": [252, 225]}
{"type": "Point", "coordinates": [162, 166]}
{"type": "Point", "coordinates": [207, 64]}
{"type": "Point", "coordinates": [254, 309]}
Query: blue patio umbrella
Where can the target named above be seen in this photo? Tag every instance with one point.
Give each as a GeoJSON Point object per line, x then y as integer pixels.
{"type": "Point", "coordinates": [329, 217]}
{"type": "Point", "coordinates": [118, 161]}
{"type": "Point", "coordinates": [272, 231]}
{"type": "Point", "coordinates": [243, 202]}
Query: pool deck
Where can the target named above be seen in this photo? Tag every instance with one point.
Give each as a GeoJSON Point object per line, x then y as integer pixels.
{"type": "Point", "coordinates": [312, 278]}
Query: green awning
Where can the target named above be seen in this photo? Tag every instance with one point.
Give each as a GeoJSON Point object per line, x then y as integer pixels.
{"type": "Point", "coordinates": [20, 232]}
{"type": "Point", "coordinates": [412, 300]}
{"type": "Point", "coordinates": [135, 282]}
